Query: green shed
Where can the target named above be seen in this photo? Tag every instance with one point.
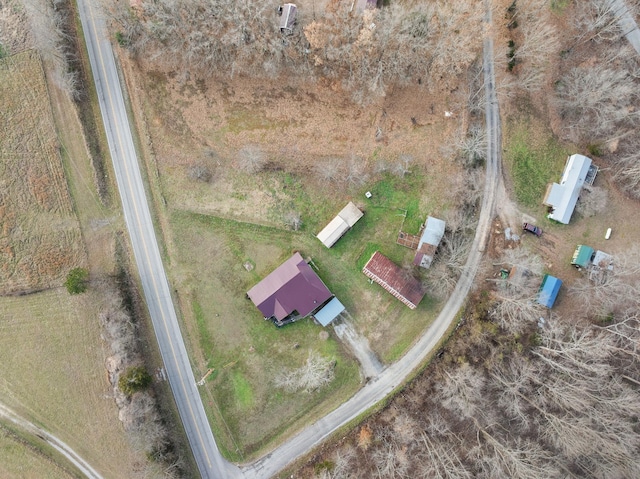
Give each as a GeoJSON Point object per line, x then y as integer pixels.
{"type": "Point", "coordinates": [582, 256]}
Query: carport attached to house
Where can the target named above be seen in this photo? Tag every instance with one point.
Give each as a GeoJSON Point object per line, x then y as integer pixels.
{"type": "Point", "coordinates": [329, 312]}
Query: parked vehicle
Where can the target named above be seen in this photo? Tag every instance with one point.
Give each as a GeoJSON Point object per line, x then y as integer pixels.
{"type": "Point", "coordinates": [536, 230]}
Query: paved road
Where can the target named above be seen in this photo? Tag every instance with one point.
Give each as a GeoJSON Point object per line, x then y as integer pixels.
{"type": "Point", "coordinates": [156, 288]}
{"type": "Point", "coordinates": [59, 445]}
{"type": "Point", "coordinates": [395, 374]}
{"type": "Point", "coordinates": [627, 23]}
{"type": "Point", "coordinates": [145, 247]}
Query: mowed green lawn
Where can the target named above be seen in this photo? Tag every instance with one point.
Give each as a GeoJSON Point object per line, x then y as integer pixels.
{"type": "Point", "coordinates": [228, 334]}
{"type": "Point", "coordinates": [53, 374]}
{"type": "Point", "coordinates": [535, 158]}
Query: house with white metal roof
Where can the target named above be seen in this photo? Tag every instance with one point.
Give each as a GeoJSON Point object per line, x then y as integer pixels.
{"type": "Point", "coordinates": [288, 13]}
{"type": "Point", "coordinates": [562, 198]}
{"type": "Point", "coordinates": [429, 241]}
{"type": "Point", "coordinates": [339, 225]}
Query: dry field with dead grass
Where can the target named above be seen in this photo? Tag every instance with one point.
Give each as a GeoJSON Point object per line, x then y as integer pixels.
{"type": "Point", "coordinates": [299, 127]}
{"type": "Point", "coordinates": [51, 348]}
{"type": "Point", "coordinates": [53, 374]}
{"type": "Point", "coordinates": [20, 460]}
{"type": "Point", "coordinates": [40, 238]}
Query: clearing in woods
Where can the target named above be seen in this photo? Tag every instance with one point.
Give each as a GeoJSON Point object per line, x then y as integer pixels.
{"type": "Point", "coordinates": [320, 151]}
{"type": "Point", "coordinates": [40, 239]}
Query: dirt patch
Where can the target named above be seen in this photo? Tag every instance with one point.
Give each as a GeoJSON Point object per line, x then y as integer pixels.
{"type": "Point", "coordinates": [40, 239]}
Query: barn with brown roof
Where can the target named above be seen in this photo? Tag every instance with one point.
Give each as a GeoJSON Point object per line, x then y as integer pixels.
{"type": "Point", "coordinates": [292, 291]}
{"type": "Point", "coordinates": [394, 279]}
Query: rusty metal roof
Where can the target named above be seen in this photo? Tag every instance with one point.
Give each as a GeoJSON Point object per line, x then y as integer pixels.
{"type": "Point", "coordinates": [394, 279]}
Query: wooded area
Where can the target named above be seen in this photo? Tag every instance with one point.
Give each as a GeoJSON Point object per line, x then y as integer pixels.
{"type": "Point", "coordinates": [366, 52]}
{"type": "Point", "coordinates": [525, 401]}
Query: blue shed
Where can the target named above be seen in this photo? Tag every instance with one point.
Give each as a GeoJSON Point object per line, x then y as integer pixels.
{"type": "Point", "coordinates": [549, 290]}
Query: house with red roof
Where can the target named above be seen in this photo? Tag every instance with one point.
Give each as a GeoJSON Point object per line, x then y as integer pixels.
{"type": "Point", "coordinates": [291, 292]}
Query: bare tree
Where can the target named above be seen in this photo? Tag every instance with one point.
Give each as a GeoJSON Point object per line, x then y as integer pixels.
{"type": "Point", "coordinates": [441, 460]}
{"type": "Point", "coordinates": [459, 221]}
{"type": "Point", "coordinates": [293, 220]}
{"type": "Point", "coordinates": [618, 290]}
{"type": "Point", "coordinates": [402, 166]}
{"type": "Point", "coordinates": [390, 458]}
{"type": "Point", "coordinates": [535, 41]}
{"type": "Point", "coordinates": [517, 307]}
{"type": "Point", "coordinates": [448, 263]}
{"type": "Point", "coordinates": [628, 167]}
{"type": "Point", "coordinates": [597, 100]}
{"type": "Point", "coordinates": [472, 146]}
{"type": "Point", "coordinates": [315, 373]}
{"type": "Point", "coordinates": [525, 260]}
{"type": "Point", "coordinates": [513, 381]}
{"type": "Point", "coordinates": [598, 19]}
{"type": "Point", "coordinates": [356, 172]}
{"type": "Point", "coordinates": [251, 159]}
{"type": "Point", "coordinates": [523, 459]}
{"type": "Point", "coordinates": [199, 172]}
{"type": "Point", "coordinates": [515, 311]}
{"type": "Point", "coordinates": [460, 390]}
{"type": "Point", "coordinates": [328, 170]}
{"type": "Point", "coordinates": [367, 50]}
{"type": "Point", "coordinates": [51, 23]}
{"type": "Point", "coordinates": [343, 461]}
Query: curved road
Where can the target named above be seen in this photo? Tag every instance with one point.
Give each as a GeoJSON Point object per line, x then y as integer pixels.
{"type": "Point", "coordinates": [83, 466]}
{"type": "Point", "coordinates": [145, 247]}
{"type": "Point", "coordinates": [394, 375]}
{"type": "Point", "coordinates": [157, 293]}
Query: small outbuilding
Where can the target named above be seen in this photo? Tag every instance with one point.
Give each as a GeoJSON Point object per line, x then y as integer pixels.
{"type": "Point", "coordinates": [362, 5]}
{"type": "Point", "coordinates": [549, 290]}
{"type": "Point", "coordinates": [329, 312]}
{"type": "Point", "coordinates": [429, 241]}
{"type": "Point", "coordinates": [562, 198]}
{"type": "Point", "coordinates": [288, 13]}
{"type": "Point", "coordinates": [292, 291]}
{"type": "Point", "coordinates": [582, 256]}
{"type": "Point", "coordinates": [339, 225]}
{"type": "Point", "coordinates": [394, 279]}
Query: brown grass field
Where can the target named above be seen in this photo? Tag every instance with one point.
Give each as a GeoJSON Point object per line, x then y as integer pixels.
{"type": "Point", "coordinates": [53, 374]}
{"type": "Point", "coordinates": [20, 460]}
{"type": "Point", "coordinates": [40, 239]}
{"type": "Point", "coordinates": [51, 348]}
